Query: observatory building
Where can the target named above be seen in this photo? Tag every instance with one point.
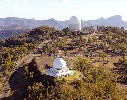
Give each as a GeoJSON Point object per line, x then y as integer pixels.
{"type": "Point", "coordinates": [74, 24]}
{"type": "Point", "coordinates": [59, 69]}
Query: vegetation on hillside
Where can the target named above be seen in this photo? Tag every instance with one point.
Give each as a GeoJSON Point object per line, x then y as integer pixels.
{"type": "Point", "coordinates": [98, 82]}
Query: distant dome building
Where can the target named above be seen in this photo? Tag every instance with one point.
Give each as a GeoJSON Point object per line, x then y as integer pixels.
{"type": "Point", "coordinates": [74, 24]}
{"type": "Point", "coordinates": [59, 69]}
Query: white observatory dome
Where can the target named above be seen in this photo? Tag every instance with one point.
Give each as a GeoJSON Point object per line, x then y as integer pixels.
{"type": "Point", "coordinates": [74, 23]}
{"type": "Point", "coordinates": [59, 63]}
{"type": "Point", "coordinates": [74, 20]}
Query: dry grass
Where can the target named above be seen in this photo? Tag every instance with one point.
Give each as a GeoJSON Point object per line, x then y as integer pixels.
{"type": "Point", "coordinates": [110, 60]}
{"type": "Point", "coordinates": [42, 61]}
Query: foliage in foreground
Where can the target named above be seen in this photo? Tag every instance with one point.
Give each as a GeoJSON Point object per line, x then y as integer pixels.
{"type": "Point", "coordinates": [97, 84]}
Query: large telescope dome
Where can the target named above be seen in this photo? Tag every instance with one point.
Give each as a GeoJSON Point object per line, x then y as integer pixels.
{"type": "Point", "coordinates": [59, 63]}
{"type": "Point", "coordinates": [74, 20]}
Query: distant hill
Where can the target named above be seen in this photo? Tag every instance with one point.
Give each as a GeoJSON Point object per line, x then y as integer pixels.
{"type": "Point", "coordinates": [15, 23]}
{"type": "Point", "coordinates": [111, 21]}
{"type": "Point", "coordinates": [32, 23]}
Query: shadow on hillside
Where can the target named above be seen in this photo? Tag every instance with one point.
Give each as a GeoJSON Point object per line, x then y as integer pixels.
{"type": "Point", "coordinates": [113, 53]}
{"type": "Point", "coordinates": [121, 70]}
{"type": "Point", "coordinates": [20, 80]}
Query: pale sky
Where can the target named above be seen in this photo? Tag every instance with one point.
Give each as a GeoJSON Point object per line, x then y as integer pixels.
{"type": "Point", "coordinates": [63, 9]}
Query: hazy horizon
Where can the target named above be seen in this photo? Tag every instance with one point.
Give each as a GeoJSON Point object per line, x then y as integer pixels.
{"type": "Point", "coordinates": [63, 9]}
{"type": "Point", "coordinates": [61, 20]}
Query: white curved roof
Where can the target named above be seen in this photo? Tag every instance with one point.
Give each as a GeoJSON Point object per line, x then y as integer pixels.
{"type": "Point", "coordinates": [74, 20]}
{"type": "Point", "coordinates": [59, 63]}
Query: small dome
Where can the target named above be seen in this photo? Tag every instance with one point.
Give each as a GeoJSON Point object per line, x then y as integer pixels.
{"type": "Point", "coordinates": [59, 63]}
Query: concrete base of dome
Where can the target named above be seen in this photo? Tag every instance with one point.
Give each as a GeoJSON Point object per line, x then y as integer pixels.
{"type": "Point", "coordinates": [76, 75]}
{"type": "Point", "coordinates": [59, 73]}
